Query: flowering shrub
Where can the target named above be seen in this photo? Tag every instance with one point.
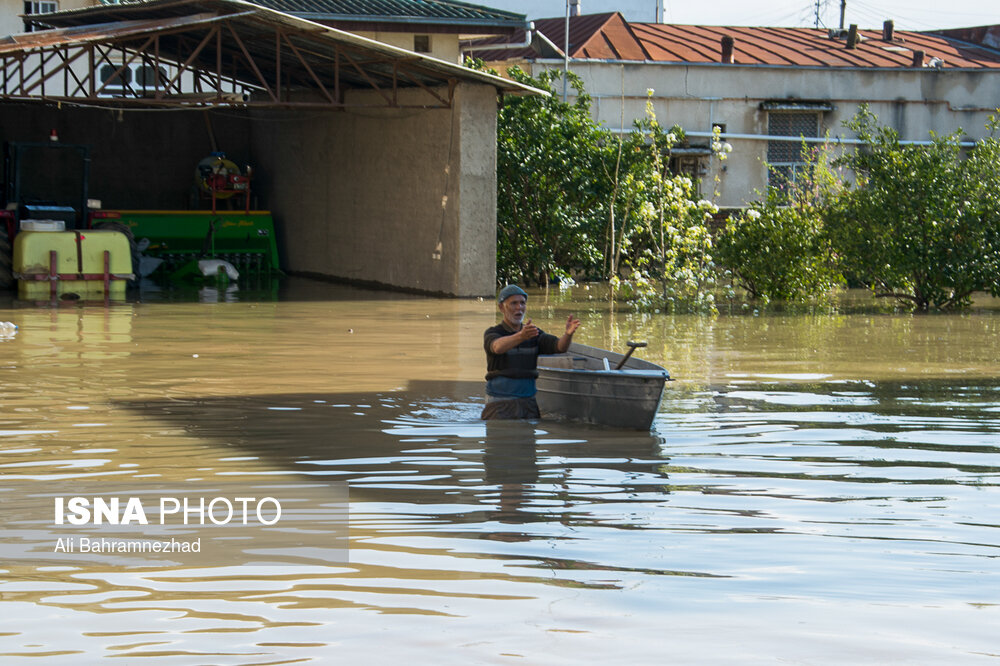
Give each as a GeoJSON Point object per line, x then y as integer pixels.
{"type": "Point", "coordinates": [666, 245]}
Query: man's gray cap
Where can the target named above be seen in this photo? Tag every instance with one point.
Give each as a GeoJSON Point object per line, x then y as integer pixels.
{"type": "Point", "coordinates": [510, 290]}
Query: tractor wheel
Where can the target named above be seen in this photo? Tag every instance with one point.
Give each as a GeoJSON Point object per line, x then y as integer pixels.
{"type": "Point", "coordinates": [111, 225]}
{"type": "Point", "coordinates": [6, 260]}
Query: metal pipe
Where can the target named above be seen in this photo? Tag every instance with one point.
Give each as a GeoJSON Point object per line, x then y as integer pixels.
{"type": "Point", "coordinates": [529, 37]}
{"type": "Point", "coordinates": [813, 139]}
{"type": "Point", "coordinates": [566, 56]}
{"type": "Point", "coordinates": [797, 139]}
{"type": "Point", "coordinates": [868, 100]}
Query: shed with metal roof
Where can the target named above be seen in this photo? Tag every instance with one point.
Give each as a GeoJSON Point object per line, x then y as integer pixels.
{"type": "Point", "coordinates": [378, 162]}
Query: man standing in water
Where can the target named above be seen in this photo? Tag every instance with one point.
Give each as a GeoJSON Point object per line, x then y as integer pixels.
{"type": "Point", "coordinates": [512, 349]}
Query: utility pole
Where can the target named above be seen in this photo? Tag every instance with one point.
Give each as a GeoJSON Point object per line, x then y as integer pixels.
{"type": "Point", "coordinates": [818, 8]}
{"type": "Point", "coordinates": [566, 57]}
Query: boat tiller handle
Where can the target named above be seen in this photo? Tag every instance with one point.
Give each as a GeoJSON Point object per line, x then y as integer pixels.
{"type": "Point", "coordinates": [632, 346]}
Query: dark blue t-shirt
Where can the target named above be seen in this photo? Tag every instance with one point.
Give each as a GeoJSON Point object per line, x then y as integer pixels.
{"type": "Point", "coordinates": [513, 373]}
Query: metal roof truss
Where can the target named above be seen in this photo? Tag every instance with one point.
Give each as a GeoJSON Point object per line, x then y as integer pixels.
{"type": "Point", "coordinates": [213, 61]}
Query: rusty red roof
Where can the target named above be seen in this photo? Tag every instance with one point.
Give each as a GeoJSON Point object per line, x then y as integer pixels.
{"type": "Point", "coordinates": [611, 37]}
{"type": "Point", "coordinates": [808, 47]}
{"type": "Point", "coordinates": [984, 35]}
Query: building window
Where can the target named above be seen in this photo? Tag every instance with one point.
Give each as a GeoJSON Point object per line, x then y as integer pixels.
{"type": "Point", "coordinates": [38, 7]}
{"type": "Point", "coordinates": [787, 158]}
{"type": "Point", "coordinates": [115, 81]}
{"type": "Point", "coordinates": [422, 43]}
{"type": "Point", "coordinates": [692, 164]}
{"type": "Point", "coordinates": [146, 77]}
{"type": "Point", "coordinates": [133, 80]}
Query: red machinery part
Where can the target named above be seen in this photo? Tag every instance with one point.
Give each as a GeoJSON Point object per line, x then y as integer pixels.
{"type": "Point", "coordinates": [7, 216]}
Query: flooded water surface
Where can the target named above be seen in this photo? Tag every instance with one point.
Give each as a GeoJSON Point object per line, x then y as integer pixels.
{"type": "Point", "coordinates": [817, 488]}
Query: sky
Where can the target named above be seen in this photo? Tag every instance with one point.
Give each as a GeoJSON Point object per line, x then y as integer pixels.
{"type": "Point", "coordinates": [907, 14]}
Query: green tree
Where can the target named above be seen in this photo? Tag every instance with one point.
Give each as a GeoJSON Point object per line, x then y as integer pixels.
{"type": "Point", "coordinates": [571, 198]}
{"type": "Point", "coordinates": [550, 193]}
{"type": "Point", "coordinates": [778, 248]}
{"type": "Point", "coordinates": [921, 224]}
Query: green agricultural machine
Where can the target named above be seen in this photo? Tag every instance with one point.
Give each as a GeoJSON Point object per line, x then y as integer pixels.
{"type": "Point", "coordinates": [182, 246]}
{"type": "Point", "coordinates": [177, 246]}
{"type": "Point", "coordinates": [218, 242]}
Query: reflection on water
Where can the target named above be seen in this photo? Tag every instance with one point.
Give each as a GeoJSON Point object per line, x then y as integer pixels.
{"type": "Point", "coordinates": [817, 489]}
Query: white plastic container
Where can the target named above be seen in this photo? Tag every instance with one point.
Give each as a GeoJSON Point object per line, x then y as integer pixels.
{"type": "Point", "coordinates": [43, 225]}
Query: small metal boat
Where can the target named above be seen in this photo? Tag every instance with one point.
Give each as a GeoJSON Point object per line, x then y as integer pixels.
{"type": "Point", "coordinates": [602, 387]}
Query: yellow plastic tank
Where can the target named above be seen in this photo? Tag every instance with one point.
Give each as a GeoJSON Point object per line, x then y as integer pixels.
{"type": "Point", "coordinates": [79, 254]}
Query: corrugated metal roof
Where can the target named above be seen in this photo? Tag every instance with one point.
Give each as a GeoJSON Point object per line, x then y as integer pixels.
{"type": "Point", "coordinates": [441, 11]}
{"type": "Point", "coordinates": [179, 25]}
{"type": "Point", "coordinates": [610, 37]}
{"type": "Point", "coordinates": [807, 47]}
{"type": "Point", "coordinates": [984, 35]}
{"type": "Point", "coordinates": [83, 34]}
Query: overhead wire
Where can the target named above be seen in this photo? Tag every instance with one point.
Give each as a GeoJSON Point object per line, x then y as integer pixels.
{"type": "Point", "coordinates": [868, 13]}
{"type": "Point", "coordinates": [781, 16]}
{"type": "Point", "coordinates": [907, 16]}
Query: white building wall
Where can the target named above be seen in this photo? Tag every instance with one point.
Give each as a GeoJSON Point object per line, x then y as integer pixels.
{"type": "Point", "coordinates": [11, 22]}
{"type": "Point", "coordinates": [914, 101]}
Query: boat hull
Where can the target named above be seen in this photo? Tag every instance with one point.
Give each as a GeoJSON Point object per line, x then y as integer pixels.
{"type": "Point", "coordinates": [579, 386]}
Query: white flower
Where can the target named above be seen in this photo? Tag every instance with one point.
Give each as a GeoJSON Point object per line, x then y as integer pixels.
{"type": "Point", "coordinates": [728, 147]}
{"type": "Point", "coordinates": [671, 138]}
{"type": "Point", "coordinates": [649, 92]}
{"type": "Point", "coordinates": [753, 214]}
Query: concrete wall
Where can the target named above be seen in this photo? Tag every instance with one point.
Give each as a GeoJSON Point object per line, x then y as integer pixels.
{"type": "Point", "coordinates": [368, 194]}
{"type": "Point", "coordinates": [477, 192]}
{"type": "Point", "coordinates": [443, 46]}
{"type": "Point", "coordinates": [914, 101]}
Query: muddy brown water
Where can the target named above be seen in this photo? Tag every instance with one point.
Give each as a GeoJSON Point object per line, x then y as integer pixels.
{"type": "Point", "coordinates": [819, 488]}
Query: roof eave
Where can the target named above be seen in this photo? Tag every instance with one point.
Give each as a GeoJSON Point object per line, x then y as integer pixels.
{"type": "Point", "coordinates": [420, 20]}
{"type": "Point", "coordinates": [250, 10]}
{"type": "Point", "coordinates": [683, 63]}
